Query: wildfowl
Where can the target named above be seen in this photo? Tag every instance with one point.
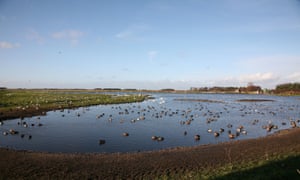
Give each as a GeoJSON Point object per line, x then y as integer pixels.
{"type": "Point", "coordinates": [102, 141]}
{"type": "Point", "coordinates": [154, 137]}
{"type": "Point", "coordinates": [13, 132]}
{"type": "Point", "coordinates": [221, 130]}
{"type": "Point", "coordinates": [216, 134]}
{"type": "Point", "coordinates": [231, 136]}
{"type": "Point", "coordinates": [197, 137]}
{"type": "Point", "coordinates": [293, 124]}
{"type": "Point", "coordinates": [244, 132]}
{"type": "Point", "coordinates": [160, 138]}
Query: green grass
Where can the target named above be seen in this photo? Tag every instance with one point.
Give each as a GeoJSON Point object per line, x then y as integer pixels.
{"type": "Point", "coordinates": [276, 167]}
{"type": "Point", "coordinates": [22, 99]}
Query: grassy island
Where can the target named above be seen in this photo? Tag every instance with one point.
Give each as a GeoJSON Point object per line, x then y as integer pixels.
{"type": "Point", "coordinates": [15, 103]}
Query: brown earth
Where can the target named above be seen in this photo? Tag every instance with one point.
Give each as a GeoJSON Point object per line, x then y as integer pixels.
{"type": "Point", "coordinates": [144, 165]}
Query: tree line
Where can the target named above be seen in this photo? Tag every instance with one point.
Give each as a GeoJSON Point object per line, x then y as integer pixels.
{"type": "Point", "coordinates": [291, 88]}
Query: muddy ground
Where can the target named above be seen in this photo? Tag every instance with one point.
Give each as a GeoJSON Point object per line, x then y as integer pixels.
{"type": "Point", "coordinates": [144, 165]}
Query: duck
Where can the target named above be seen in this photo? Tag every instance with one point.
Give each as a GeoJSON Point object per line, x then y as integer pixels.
{"type": "Point", "coordinates": [125, 134]}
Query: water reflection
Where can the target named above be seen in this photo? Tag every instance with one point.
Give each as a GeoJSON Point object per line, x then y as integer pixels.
{"type": "Point", "coordinates": [163, 122]}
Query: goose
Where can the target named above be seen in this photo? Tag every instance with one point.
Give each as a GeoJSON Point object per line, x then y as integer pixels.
{"type": "Point", "coordinates": [101, 141]}
{"type": "Point", "coordinates": [221, 130]}
{"type": "Point", "coordinates": [13, 132]}
{"type": "Point", "coordinates": [154, 137]}
{"type": "Point", "coordinates": [160, 138]}
{"type": "Point", "coordinates": [216, 134]}
{"type": "Point", "coordinates": [269, 127]}
{"type": "Point", "coordinates": [231, 136]}
{"type": "Point", "coordinates": [197, 137]}
{"type": "Point", "coordinates": [229, 125]}
{"type": "Point", "coordinates": [293, 124]}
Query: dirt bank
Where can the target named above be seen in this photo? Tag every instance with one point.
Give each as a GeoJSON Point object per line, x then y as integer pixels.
{"type": "Point", "coordinates": [28, 165]}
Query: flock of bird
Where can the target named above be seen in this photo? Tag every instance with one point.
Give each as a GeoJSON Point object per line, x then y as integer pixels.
{"type": "Point", "coordinates": [184, 116]}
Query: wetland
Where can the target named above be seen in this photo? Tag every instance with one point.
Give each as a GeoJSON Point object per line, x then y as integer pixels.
{"type": "Point", "coordinates": [152, 138]}
{"type": "Point", "coordinates": [129, 122]}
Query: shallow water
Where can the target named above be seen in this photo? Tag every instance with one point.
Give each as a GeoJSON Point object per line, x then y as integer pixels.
{"type": "Point", "coordinates": [79, 130]}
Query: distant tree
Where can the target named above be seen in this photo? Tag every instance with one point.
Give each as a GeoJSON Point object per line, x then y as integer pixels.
{"type": "Point", "coordinates": [129, 89]}
{"type": "Point", "coordinates": [288, 87]}
{"type": "Point", "coordinates": [251, 87]}
{"type": "Point", "coordinates": [112, 89]}
{"type": "Point", "coordinates": [168, 89]}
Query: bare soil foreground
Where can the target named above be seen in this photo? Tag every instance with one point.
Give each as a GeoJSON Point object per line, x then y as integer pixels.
{"type": "Point", "coordinates": [177, 163]}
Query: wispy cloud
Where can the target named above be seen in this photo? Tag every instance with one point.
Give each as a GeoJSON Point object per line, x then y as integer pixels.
{"type": "Point", "coordinates": [279, 64]}
{"type": "Point", "coordinates": [3, 83]}
{"type": "Point", "coordinates": [265, 26]}
{"type": "Point", "coordinates": [293, 77]}
{"type": "Point", "coordinates": [34, 35]}
{"type": "Point", "coordinates": [266, 80]}
{"type": "Point", "coordinates": [8, 45]}
{"type": "Point", "coordinates": [257, 77]}
{"type": "Point", "coordinates": [133, 32]}
{"type": "Point", "coordinates": [71, 35]}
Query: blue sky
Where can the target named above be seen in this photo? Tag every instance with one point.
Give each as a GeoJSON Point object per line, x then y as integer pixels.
{"type": "Point", "coordinates": [149, 44]}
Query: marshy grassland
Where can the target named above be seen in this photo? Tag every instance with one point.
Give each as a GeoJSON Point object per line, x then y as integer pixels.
{"type": "Point", "coordinates": [15, 103]}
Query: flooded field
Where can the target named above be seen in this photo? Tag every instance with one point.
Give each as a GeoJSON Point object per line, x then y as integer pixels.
{"type": "Point", "coordinates": [167, 121]}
